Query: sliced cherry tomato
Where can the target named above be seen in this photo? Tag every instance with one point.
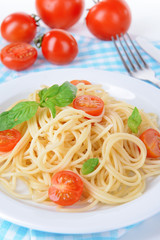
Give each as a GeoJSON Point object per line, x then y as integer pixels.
{"type": "Point", "coordinates": [75, 82]}
{"type": "Point", "coordinates": [9, 139]}
{"type": "Point", "coordinates": [109, 18]}
{"type": "Point", "coordinates": [90, 104]}
{"type": "Point", "coordinates": [18, 56]}
{"type": "Point", "coordinates": [66, 188]}
{"type": "Point", "coordinates": [60, 13]}
{"type": "Point", "coordinates": [59, 47]}
{"type": "Point", "coordinates": [19, 27]}
{"type": "Point", "coordinates": [151, 139]}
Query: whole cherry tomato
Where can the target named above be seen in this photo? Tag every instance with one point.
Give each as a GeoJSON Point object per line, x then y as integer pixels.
{"type": "Point", "coordinates": [151, 139]}
{"type": "Point", "coordinates": [66, 188]}
{"type": "Point", "coordinates": [109, 18]}
{"type": "Point", "coordinates": [19, 27]}
{"type": "Point", "coordinates": [9, 139]}
{"type": "Point", "coordinates": [18, 56]}
{"type": "Point", "coordinates": [90, 104]}
{"type": "Point", "coordinates": [58, 46]}
{"type": "Point", "coordinates": [60, 13]}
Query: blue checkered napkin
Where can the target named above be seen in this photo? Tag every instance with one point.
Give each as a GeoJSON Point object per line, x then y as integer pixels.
{"type": "Point", "coordinates": [93, 53]}
{"type": "Point", "coordinates": [10, 231]}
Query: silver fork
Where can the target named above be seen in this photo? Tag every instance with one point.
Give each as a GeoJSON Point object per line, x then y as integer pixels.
{"type": "Point", "coordinates": [137, 66]}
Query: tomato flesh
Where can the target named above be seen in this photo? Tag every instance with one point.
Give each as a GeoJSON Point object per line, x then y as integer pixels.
{"type": "Point", "coordinates": [19, 27]}
{"type": "Point", "coordinates": [66, 188]}
{"type": "Point", "coordinates": [9, 139]}
{"type": "Point", "coordinates": [90, 104]}
{"type": "Point", "coordinates": [59, 47]}
{"type": "Point", "coordinates": [109, 18]}
{"type": "Point", "coordinates": [75, 82]}
{"type": "Point", "coordinates": [151, 139]}
{"type": "Point", "coordinates": [18, 56]}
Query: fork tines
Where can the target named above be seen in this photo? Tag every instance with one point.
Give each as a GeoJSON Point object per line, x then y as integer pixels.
{"type": "Point", "coordinates": [128, 46]}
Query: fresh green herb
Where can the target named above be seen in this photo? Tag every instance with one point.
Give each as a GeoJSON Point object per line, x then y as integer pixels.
{"type": "Point", "coordinates": [60, 96]}
{"type": "Point", "coordinates": [47, 93]}
{"type": "Point", "coordinates": [54, 96]}
{"type": "Point", "coordinates": [49, 104]}
{"type": "Point", "coordinates": [42, 92]}
{"type": "Point", "coordinates": [134, 120]}
{"type": "Point", "coordinates": [89, 166]}
{"type": "Point", "coordinates": [21, 112]}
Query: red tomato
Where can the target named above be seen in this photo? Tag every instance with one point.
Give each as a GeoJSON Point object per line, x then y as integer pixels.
{"type": "Point", "coordinates": [90, 104]}
{"type": "Point", "coordinates": [108, 18]}
{"type": "Point", "coordinates": [18, 56]}
{"type": "Point", "coordinates": [151, 139]}
{"type": "Point", "coordinates": [9, 139]}
{"type": "Point", "coordinates": [59, 47]}
{"type": "Point", "coordinates": [66, 188]}
{"type": "Point", "coordinates": [18, 27]}
{"type": "Point", "coordinates": [75, 82]}
{"type": "Point", "coordinates": [60, 13]}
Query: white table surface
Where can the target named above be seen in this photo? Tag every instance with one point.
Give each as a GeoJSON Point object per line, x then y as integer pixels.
{"type": "Point", "coordinates": [145, 22]}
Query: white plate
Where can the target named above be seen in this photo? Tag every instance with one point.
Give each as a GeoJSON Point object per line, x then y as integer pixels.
{"type": "Point", "coordinates": [40, 217]}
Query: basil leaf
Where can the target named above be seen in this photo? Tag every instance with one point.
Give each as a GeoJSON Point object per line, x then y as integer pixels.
{"type": "Point", "coordinates": [21, 112]}
{"type": "Point", "coordinates": [51, 106]}
{"type": "Point", "coordinates": [134, 120]}
{"type": "Point", "coordinates": [66, 94]}
{"type": "Point", "coordinates": [89, 166]}
{"type": "Point", "coordinates": [48, 93]}
{"type": "Point", "coordinates": [41, 94]}
{"type": "Point", "coordinates": [54, 96]}
{"type": "Point", "coordinates": [60, 96]}
{"type": "Point", "coordinates": [5, 124]}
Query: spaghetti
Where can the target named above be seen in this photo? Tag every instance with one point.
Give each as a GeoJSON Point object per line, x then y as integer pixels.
{"type": "Point", "coordinates": [49, 145]}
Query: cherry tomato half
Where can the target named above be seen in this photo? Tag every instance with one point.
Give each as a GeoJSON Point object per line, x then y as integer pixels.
{"type": "Point", "coordinates": [75, 82]}
{"type": "Point", "coordinates": [151, 139]}
{"type": "Point", "coordinates": [18, 56]}
{"type": "Point", "coordinates": [19, 27]}
{"type": "Point", "coordinates": [60, 13]}
{"type": "Point", "coordinates": [59, 47]}
{"type": "Point", "coordinates": [66, 188]}
{"type": "Point", "coordinates": [9, 139]}
{"type": "Point", "coordinates": [90, 104]}
{"type": "Point", "coordinates": [108, 18]}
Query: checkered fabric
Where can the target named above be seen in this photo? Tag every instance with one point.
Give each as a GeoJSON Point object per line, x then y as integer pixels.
{"type": "Point", "coordinates": [10, 231]}
{"type": "Point", "coordinates": [93, 53]}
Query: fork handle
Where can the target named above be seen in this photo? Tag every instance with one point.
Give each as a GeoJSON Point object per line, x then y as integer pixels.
{"type": "Point", "coordinates": [155, 81]}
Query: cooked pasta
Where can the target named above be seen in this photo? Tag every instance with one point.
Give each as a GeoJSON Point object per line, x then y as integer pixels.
{"type": "Point", "coordinates": [49, 145]}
